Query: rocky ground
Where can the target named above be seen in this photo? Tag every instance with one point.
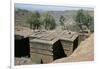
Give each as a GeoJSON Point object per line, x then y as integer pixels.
{"type": "Point", "coordinates": [84, 52]}
{"type": "Point", "coordinates": [22, 61]}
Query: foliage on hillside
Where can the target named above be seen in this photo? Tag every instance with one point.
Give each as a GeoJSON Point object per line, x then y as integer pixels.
{"type": "Point", "coordinates": [62, 19]}
{"type": "Point", "coordinates": [49, 22]}
{"type": "Point", "coordinates": [84, 19]}
{"type": "Point", "coordinates": [72, 20]}
{"type": "Point", "coordinates": [34, 21]}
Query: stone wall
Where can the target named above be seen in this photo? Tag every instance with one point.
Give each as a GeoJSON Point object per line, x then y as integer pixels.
{"type": "Point", "coordinates": [42, 51]}
{"type": "Point", "coordinates": [67, 46]}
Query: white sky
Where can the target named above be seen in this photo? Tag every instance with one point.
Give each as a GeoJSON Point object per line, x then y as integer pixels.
{"type": "Point", "coordinates": [35, 7]}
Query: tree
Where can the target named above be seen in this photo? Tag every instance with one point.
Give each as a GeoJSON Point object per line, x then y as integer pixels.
{"type": "Point", "coordinates": [80, 18]}
{"type": "Point", "coordinates": [83, 19]}
{"type": "Point", "coordinates": [62, 19]}
{"type": "Point", "coordinates": [88, 21]}
{"type": "Point", "coordinates": [49, 22]}
{"type": "Point", "coordinates": [34, 21]}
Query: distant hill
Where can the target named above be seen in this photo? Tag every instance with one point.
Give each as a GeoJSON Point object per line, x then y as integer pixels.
{"type": "Point", "coordinates": [21, 16]}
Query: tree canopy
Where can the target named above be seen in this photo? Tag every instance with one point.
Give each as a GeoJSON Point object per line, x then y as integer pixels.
{"type": "Point", "coordinates": [49, 22]}
{"type": "Point", "coordinates": [34, 21]}
{"type": "Point", "coordinates": [83, 19]}
{"type": "Point", "coordinates": [61, 20]}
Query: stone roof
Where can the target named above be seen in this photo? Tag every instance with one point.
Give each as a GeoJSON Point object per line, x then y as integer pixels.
{"type": "Point", "coordinates": [51, 37]}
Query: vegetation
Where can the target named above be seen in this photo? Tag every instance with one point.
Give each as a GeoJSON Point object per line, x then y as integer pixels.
{"type": "Point", "coordinates": [62, 19]}
{"type": "Point", "coordinates": [34, 21]}
{"type": "Point", "coordinates": [89, 23]}
{"type": "Point", "coordinates": [49, 22]}
{"type": "Point", "coordinates": [83, 19]}
{"type": "Point", "coordinates": [20, 10]}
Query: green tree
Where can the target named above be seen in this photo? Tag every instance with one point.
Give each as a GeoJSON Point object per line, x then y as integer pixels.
{"type": "Point", "coordinates": [62, 19]}
{"type": "Point", "coordinates": [80, 18]}
{"type": "Point", "coordinates": [83, 19]}
{"type": "Point", "coordinates": [34, 21]}
{"type": "Point", "coordinates": [49, 22]}
{"type": "Point", "coordinates": [88, 21]}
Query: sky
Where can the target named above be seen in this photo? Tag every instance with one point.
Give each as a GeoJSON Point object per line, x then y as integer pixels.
{"type": "Point", "coordinates": [35, 7]}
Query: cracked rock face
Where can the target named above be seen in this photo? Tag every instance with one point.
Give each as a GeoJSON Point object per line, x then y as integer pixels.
{"type": "Point", "coordinates": [84, 52]}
